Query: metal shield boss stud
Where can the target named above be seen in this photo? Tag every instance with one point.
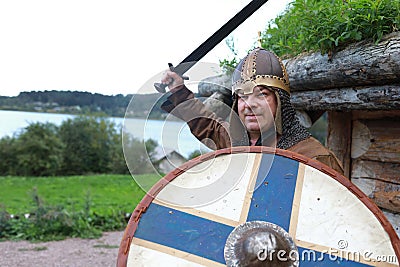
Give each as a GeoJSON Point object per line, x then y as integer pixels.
{"type": "Point", "coordinates": [260, 243]}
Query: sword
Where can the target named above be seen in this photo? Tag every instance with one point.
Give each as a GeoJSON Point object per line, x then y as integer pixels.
{"type": "Point", "coordinates": [212, 41]}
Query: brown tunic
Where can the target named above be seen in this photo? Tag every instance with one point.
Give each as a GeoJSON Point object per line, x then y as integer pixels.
{"type": "Point", "coordinates": [215, 133]}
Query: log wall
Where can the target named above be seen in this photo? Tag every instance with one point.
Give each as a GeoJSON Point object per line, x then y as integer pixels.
{"type": "Point", "coordinates": [360, 88]}
{"type": "Point", "coordinates": [360, 64]}
{"type": "Point", "coordinates": [340, 126]}
{"type": "Point", "coordinates": [375, 155]}
{"type": "Point", "coordinates": [372, 159]}
{"type": "Point", "coordinates": [384, 97]}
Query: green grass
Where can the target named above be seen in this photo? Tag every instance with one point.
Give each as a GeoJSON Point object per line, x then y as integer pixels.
{"type": "Point", "coordinates": [312, 25]}
{"type": "Point", "coordinates": [107, 193]}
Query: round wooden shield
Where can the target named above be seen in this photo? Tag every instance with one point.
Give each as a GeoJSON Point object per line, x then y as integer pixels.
{"type": "Point", "coordinates": [331, 221]}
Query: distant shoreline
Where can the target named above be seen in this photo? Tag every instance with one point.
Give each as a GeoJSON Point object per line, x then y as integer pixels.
{"type": "Point", "coordinates": [98, 114]}
{"type": "Point", "coordinates": [84, 103]}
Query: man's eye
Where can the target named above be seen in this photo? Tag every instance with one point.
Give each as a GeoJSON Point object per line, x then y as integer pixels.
{"type": "Point", "coordinates": [243, 97]}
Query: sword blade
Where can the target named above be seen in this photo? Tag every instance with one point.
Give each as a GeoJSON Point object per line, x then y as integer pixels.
{"type": "Point", "coordinates": [218, 36]}
{"type": "Point", "coordinates": [213, 40]}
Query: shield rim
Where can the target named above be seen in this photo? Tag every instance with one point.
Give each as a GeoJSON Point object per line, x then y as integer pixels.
{"type": "Point", "coordinates": [150, 196]}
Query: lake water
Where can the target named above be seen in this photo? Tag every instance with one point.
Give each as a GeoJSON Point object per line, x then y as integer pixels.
{"type": "Point", "coordinates": [168, 134]}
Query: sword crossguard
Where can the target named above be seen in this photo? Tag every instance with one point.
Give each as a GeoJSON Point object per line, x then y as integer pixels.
{"type": "Point", "coordinates": [160, 87]}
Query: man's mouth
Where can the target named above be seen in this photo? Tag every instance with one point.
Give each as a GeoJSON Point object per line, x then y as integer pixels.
{"type": "Point", "coordinates": [251, 116]}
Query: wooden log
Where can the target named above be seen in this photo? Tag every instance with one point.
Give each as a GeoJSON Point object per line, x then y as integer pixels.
{"type": "Point", "coordinates": [375, 153]}
{"type": "Point", "coordinates": [385, 97]}
{"type": "Point", "coordinates": [385, 172]}
{"type": "Point", "coordinates": [220, 83]}
{"type": "Point", "coordinates": [376, 140]}
{"type": "Point", "coordinates": [387, 200]}
{"type": "Point", "coordinates": [339, 137]}
{"type": "Point", "coordinates": [373, 114]}
{"type": "Point", "coordinates": [385, 195]}
{"type": "Point", "coordinates": [360, 64]}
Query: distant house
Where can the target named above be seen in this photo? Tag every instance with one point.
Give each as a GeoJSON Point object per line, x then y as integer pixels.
{"type": "Point", "coordinates": [168, 159]}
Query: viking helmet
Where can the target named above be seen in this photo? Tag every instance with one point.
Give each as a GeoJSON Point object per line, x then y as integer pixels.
{"type": "Point", "coordinates": [262, 67]}
{"type": "Point", "coordinates": [259, 67]}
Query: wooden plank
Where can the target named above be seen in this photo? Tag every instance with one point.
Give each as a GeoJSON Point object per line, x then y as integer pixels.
{"type": "Point", "coordinates": [380, 140]}
{"type": "Point", "coordinates": [386, 172]}
{"type": "Point", "coordinates": [360, 64]}
{"type": "Point", "coordinates": [380, 181]}
{"type": "Point", "coordinates": [385, 195]}
{"type": "Point", "coordinates": [375, 114]}
{"type": "Point", "coordinates": [339, 137]}
{"type": "Point", "coordinates": [387, 200]}
{"type": "Point", "coordinates": [384, 97]}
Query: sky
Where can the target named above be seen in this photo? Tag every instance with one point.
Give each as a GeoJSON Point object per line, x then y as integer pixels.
{"type": "Point", "coordinates": [113, 47]}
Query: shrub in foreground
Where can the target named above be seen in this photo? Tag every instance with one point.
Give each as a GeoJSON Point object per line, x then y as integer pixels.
{"type": "Point", "coordinates": [47, 222]}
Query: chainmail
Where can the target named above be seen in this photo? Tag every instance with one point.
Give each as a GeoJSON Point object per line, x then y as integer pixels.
{"type": "Point", "coordinates": [292, 131]}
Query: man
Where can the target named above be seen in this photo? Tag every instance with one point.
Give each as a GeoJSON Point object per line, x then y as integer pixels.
{"type": "Point", "coordinates": [261, 93]}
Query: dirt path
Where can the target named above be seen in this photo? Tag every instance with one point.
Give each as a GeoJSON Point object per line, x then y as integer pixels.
{"type": "Point", "coordinates": [70, 252]}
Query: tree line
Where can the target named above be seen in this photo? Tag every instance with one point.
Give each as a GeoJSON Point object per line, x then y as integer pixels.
{"type": "Point", "coordinates": [76, 102]}
{"type": "Point", "coordinates": [82, 145]}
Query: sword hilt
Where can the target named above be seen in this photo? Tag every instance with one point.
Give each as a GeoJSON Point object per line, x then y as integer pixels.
{"type": "Point", "coordinates": [160, 87]}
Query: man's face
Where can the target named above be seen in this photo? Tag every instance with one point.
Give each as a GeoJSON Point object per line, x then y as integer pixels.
{"type": "Point", "coordinates": [257, 110]}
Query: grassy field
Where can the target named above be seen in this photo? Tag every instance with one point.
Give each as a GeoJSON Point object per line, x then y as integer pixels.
{"type": "Point", "coordinates": [105, 192]}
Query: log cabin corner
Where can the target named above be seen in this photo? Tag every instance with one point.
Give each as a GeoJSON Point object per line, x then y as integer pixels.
{"type": "Point", "coordinates": [359, 88]}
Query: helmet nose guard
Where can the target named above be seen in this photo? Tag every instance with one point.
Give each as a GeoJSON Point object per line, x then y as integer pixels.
{"type": "Point", "coordinates": [259, 67]}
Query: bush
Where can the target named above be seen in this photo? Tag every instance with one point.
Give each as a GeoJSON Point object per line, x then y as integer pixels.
{"type": "Point", "coordinates": [311, 25]}
{"type": "Point", "coordinates": [8, 156]}
{"type": "Point", "coordinates": [322, 25]}
{"type": "Point", "coordinates": [5, 222]}
{"type": "Point", "coordinates": [38, 150]}
{"type": "Point", "coordinates": [88, 142]}
{"type": "Point", "coordinates": [55, 222]}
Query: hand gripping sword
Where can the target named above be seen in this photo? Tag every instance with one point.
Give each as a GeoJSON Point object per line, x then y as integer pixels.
{"type": "Point", "coordinates": [212, 41]}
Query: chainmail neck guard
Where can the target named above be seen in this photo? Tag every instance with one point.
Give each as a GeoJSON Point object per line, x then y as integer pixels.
{"type": "Point", "coordinates": [292, 131]}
